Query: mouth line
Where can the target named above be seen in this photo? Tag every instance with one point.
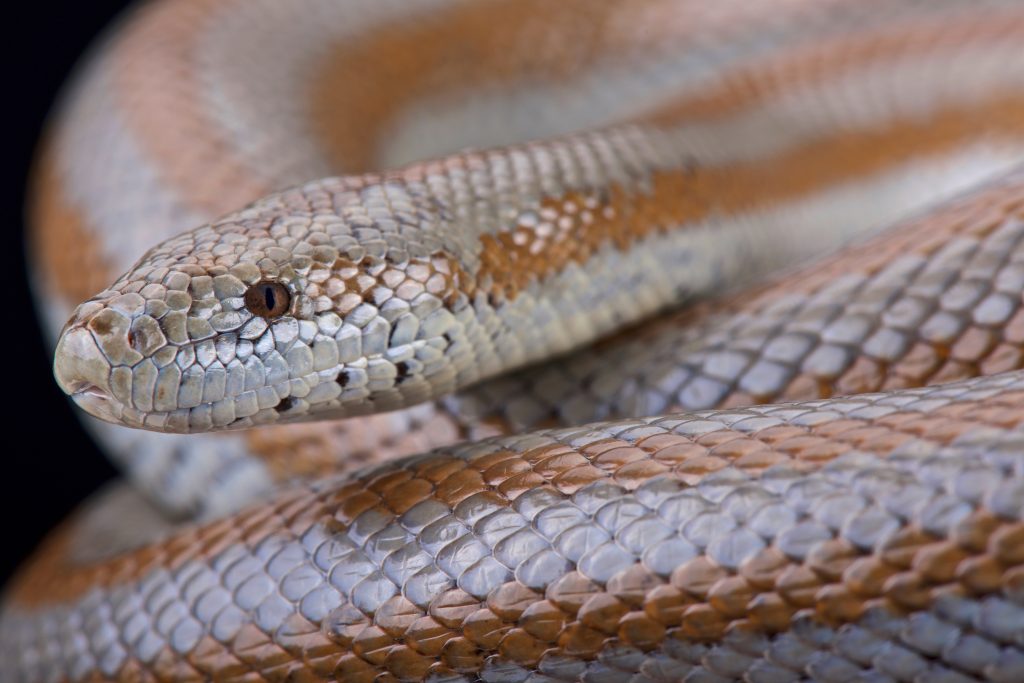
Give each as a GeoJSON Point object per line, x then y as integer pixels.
{"type": "Point", "coordinates": [90, 391]}
{"type": "Point", "coordinates": [98, 403]}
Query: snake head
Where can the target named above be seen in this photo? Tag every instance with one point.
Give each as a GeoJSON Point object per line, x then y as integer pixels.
{"type": "Point", "coordinates": [331, 299]}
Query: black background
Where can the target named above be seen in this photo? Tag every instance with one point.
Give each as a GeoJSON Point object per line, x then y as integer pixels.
{"type": "Point", "coordinates": [49, 463]}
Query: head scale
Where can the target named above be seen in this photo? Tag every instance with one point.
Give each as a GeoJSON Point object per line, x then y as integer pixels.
{"type": "Point", "coordinates": [278, 313]}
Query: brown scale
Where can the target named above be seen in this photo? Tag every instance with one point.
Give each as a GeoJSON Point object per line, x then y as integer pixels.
{"type": "Point", "coordinates": [976, 350]}
{"type": "Point", "coordinates": [701, 601]}
{"type": "Point", "coordinates": [575, 226]}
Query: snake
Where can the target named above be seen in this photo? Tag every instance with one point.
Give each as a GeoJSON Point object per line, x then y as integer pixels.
{"type": "Point", "coordinates": [637, 340]}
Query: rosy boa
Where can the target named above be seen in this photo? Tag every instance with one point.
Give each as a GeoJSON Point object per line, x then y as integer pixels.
{"type": "Point", "coordinates": [833, 490]}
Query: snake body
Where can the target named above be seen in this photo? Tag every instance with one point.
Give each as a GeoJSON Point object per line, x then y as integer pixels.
{"type": "Point", "coordinates": [833, 485]}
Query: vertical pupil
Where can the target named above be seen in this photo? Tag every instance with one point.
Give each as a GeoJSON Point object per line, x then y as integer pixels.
{"type": "Point", "coordinates": [268, 297]}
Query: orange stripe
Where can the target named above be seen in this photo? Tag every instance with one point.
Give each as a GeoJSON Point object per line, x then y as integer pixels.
{"type": "Point", "coordinates": [366, 82]}
{"type": "Point", "coordinates": [66, 248]}
{"type": "Point", "coordinates": [744, 89]}
{"type": "Point", "coordinates": [576, 225]}
{"type": "Point", "coordinates": [157, 80]}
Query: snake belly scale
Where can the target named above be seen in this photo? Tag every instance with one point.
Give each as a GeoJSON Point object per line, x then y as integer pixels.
{"type": "Point", "coordinates": [470, 372]}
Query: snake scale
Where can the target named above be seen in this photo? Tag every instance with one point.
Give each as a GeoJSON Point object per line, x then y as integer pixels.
{"type": "Point", "coordinates": [521, 247]}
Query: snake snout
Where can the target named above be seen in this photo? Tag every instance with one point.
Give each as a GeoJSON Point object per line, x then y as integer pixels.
{"type": "Point", "coordinates": [83, 372]}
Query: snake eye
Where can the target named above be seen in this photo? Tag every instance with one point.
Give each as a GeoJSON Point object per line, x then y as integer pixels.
{"type": "Point", "coordinates": [268, 299]}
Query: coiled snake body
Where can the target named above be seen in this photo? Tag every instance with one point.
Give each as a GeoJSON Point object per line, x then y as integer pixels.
{"type": "Point", "coordinates": [831, 486]}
